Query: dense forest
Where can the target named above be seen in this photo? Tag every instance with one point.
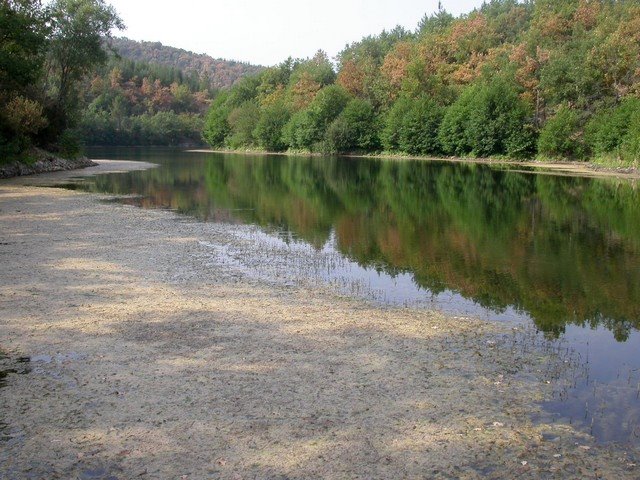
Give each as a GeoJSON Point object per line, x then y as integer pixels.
{"type": "Point", "coordinates": [150, 94]}
{"type": "Point", "coordinates": [214, 72]}
{"type": "Point", "coordinates": [138, 103]}
{"type": "Point", "coordinates": [547, 79]}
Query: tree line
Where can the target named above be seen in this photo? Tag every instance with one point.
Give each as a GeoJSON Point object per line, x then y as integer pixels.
{"type": "Point", "coordinates": [550, 79]}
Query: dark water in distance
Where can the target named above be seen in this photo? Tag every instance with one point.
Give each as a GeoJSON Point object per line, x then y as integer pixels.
{"type": "Point", "coordinates": [561, 252]}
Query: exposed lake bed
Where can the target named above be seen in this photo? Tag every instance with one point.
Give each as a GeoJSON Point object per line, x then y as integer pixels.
{"type": "Point", "coordinates": [193, 356]}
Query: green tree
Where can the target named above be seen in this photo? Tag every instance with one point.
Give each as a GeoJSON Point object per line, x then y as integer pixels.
{"type": "Point", "coordinates": [456, 123]}
{"type": "Point", "coordinates": [22, 44]}
{"type": "Point", "coordinates": [393, 120]}
{"type": "Point", "coordinates": [502, 122]}
{"type": "Point", "coordinates": [78, 30]}
{"type": "Point", "coordinates": [419, 128]}
{"type": "Point", "coordinates": [268, 131]}
{"type": "Point", "coordinates": [631, 142]}
{"type": "Point", "coordinates": [488, 119]}
{"type": "Point", "coordinates": [436, 22]}
{"type": "Point", "coordinates": [327, 106]}
{"type": "Point", "coordinates": [246, 89]}
{"type": "Point", "coordinates": [307, 128]}
{"type": "Point", "coordinates": [607, 130]}
{"type": "Point", "coordinates": [216, 126]}
{"type": "Point", "coordinates": [355, 129]}
{"type": "Point", "coordinates": [560, 137]}
{"type": "Point", "coordinates": [243, 121]}
{"type": "Point", "coordinates": [22, 48]}
{"type": "Point", "coordinates": [300, 133]}
{"type": "Point", "coordinates": [274, 80]}
{"type": "Point", "coordinates": [570, 76]}
{"type": "Point", "coordinates": [318, 68]}
{"type": "Point", "coordinates": [167, 128]}
{"type": "Point", "coordinates": [500, 72]}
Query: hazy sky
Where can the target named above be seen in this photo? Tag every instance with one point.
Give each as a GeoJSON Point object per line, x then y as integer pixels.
{"type": "Point", "coordinates": [267, 32]}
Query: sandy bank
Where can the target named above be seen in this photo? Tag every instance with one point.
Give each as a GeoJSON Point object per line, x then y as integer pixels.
{"type": "Point", "coordinates": [149, 359]}
{"type": "Point", "coordinates": [98, 166]}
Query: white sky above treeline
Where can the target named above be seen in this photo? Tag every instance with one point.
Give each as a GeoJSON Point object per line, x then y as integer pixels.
{"type": "Point", "coordinates": [267, 32]}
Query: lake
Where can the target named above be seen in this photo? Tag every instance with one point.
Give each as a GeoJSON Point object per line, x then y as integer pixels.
{"type": "Point", "coordinates": [557, 252]}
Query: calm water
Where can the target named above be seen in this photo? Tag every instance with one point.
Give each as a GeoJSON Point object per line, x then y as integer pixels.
{"type": "Point", "coordinates": [562, 253]}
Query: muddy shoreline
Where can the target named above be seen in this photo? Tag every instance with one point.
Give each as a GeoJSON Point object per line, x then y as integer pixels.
{"type": "Point", "coordinates": [148, 358]}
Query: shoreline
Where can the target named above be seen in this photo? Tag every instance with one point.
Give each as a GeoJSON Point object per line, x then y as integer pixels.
{"type": "Point", "coordinates": [45, 162]}
{"type": "Point", "coordinates": [99, 166]}
{"type": "Point", "coordinates": [150, 357]}
{"type": "Point", "coordinates": [576, 169]}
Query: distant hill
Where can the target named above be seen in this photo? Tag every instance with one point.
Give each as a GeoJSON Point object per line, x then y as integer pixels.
{"type": "Point", "coordinates": [221, 73]}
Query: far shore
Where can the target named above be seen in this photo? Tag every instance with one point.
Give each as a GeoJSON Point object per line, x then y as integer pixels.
{"type": "Point", "coordinates": [575, 169]}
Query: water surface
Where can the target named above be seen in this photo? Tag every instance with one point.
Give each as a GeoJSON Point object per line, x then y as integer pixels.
{"type": "Point", "coordinates": [562, 253]}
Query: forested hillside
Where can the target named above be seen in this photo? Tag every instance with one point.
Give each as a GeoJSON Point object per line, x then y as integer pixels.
{"type": "Point", "coordinates": [553, 79]}
{"type": "Point", "coordinates": [138, 103]}
{"type": "Point", "coordinates": [151, 94]}
{"type": "Point", "coordinates": [215, 72]}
